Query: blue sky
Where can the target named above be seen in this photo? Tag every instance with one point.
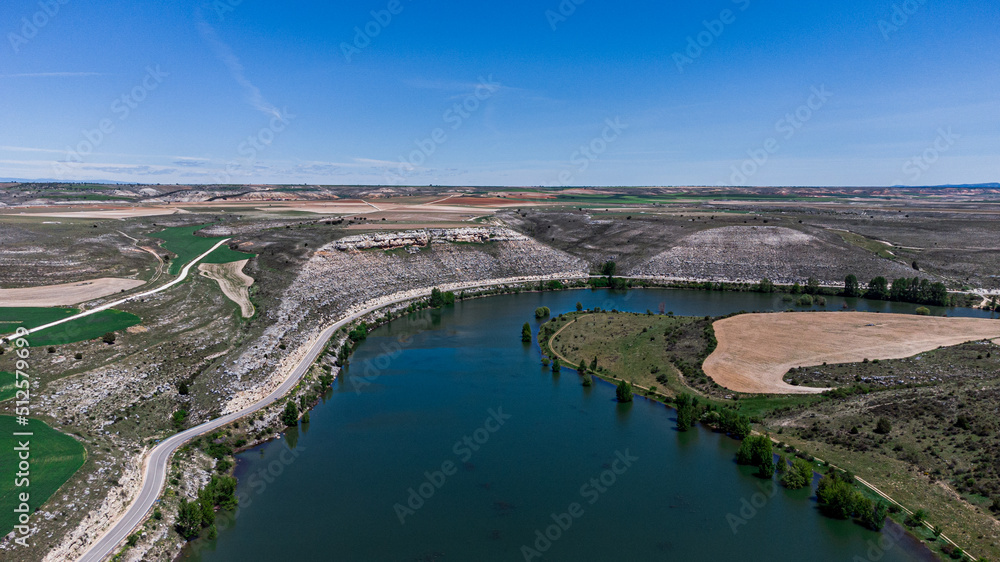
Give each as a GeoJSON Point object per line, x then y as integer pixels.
{"type": "Point", "coordinates": [722, 92]}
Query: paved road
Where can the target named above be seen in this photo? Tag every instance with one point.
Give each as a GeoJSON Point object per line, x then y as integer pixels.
{"type": "Point", "coordinates": [180, 278]}
{"type": "Point", "coordinates": [155, 469]}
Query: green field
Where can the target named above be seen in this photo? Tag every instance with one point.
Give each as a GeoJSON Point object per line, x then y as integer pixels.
{"type": "Point", "coordinates": [55, 457]}
{"type": "Point", "coordinates": [182, 241]}
{"type": "Point", "coordinates": [7, 389]}
{"type": "Point", "coordinates": [13, 317]}
{"type": "Point", "coordinates": [86, 328]}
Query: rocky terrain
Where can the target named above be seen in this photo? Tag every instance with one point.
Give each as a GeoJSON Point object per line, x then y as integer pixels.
{"type": "Point", "coordinates": [750, 253]}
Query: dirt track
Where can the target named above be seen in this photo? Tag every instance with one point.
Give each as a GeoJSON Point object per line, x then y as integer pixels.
{"type": "Point", "coordinates": [234, 283]}
{"type": "Point", "coordinates": [756, 350]}
{"type": "Point", "coordinates": [66, 294]}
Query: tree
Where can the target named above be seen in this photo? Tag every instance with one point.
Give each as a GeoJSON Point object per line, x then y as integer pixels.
{"type": "Point", "coordinates": [109, 338]}
{"type": "Point", "coordinates": [290, 416]}
{"type": "Point", "coordinates": [448, 298]}
{"type": "Point", "coordinates": [437, 298]}
{"type": "Point", "coordinates": [188, 522]}
{"type": "Point", "coordinates": [796, 288]}
{"type": "Point", "coordinates": [836, 496]}
{"type": "Point", "coordinates": [526, 333]}
{"type": "Point", "coordinates": [542, 312]}
{"type": "Point", "coordinates": [873, 515]}
{"type": "Point", "coordinates": [593, 364]}
{"type": "Point", "coordinates": [556, 365]}
{"type": "Point", "coordinates": [624, 391]}
{"type": "Point", "coordinates": [588, 380]}
{"type": "Point", "coordinates": [878, 289]}
{"type": "Point", "coordinates": [756, 450]}
{"type": "Point", "coordinates": [609, 269]}
{"type": "Point", "coordinates": [765, 286]}
{"type": "Point", "coordinates": [685, 413]}
{"type": "Point", "coordinates": [851, 286]}
{"type": "Point", "coordinates": [798, 476]}
{"type": "Point", "coordinates": [812, 286]}
{"type": "Point", "coordinates": [579, 306]}
{"type": "Point", "coordinates": [883, 426]}
{"type": "Point", "coordinates": [582, 369]}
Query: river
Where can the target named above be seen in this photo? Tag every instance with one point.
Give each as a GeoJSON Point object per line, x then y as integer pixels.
{"type": "Point", "coordinates": [446, 439]}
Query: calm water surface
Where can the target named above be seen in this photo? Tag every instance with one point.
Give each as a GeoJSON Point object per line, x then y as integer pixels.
{"type": "Point", "coordinates": [420, 409]}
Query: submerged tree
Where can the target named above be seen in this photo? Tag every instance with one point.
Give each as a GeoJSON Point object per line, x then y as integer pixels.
{"type": "Point", "coordinates": [755, 450]}
{"type": "Point", "coordinates": [526, 333]}
{"type": "Point", "coordinates": [685, 413]}
{"type": "Point", "coordinates": [624, 391]}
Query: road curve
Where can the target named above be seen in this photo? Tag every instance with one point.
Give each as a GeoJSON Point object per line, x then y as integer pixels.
{"type": "Point", "coordinates": [155, 466]}
{"type": "Point", "coordinates": [183, 275]}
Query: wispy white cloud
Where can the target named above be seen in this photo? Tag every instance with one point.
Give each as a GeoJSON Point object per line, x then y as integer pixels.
{"type": "Point", "coordinates": [225, 54]}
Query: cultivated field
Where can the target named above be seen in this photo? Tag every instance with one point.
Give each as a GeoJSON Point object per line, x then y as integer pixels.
{"type": "Point", "coordinates": [54, 458]}
{"type": "Point", "coordinates": [756, 350]}
{"type": "Point", "coordinates": [234, 283]}
{"type": "Point", "coordinates": [66, 294]}
{"type": "Point", "coordinates": [183, 241]}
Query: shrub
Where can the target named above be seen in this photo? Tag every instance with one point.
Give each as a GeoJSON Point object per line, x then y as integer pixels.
{"type": "Point", "coordinates": [883, 426]}
{"type": "Point", "coordinates": [109, 338]}
{"type": "Point", "coordinates": [923, 311]}
{"type": "Point", "coordinates": [542, 312]}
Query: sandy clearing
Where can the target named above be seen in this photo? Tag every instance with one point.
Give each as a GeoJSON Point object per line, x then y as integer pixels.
{"type": "Point", "coordinates": [756, 350]}
{"type": "Point", "coordinates": [66, 294]}
{"type": "Point", "coordinates": [234, 283]}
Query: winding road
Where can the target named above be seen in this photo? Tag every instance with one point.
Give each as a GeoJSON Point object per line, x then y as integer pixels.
{"type": "Point", "coordinates": [155, 466]}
